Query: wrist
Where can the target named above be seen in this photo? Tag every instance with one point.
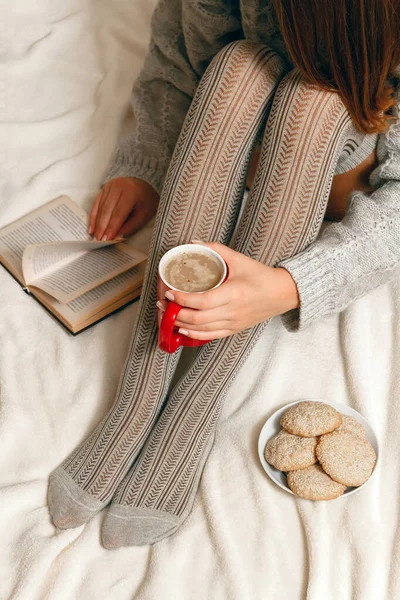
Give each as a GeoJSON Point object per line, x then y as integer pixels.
{"type": "Point", "coordinates": [288, 289]}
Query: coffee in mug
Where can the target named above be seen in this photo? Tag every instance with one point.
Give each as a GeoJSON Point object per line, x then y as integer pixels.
{"type": "Point", "coordinates": [193, 271]}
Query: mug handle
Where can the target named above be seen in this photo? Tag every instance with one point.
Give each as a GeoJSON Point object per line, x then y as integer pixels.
{"type": "Point", "coordinates": [168, 339]}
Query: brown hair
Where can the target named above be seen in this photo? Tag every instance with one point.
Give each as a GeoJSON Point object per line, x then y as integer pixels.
{"type": "Point", "coordinates": [351, 46]}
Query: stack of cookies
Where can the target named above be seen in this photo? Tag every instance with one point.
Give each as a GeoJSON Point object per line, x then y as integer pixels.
{"type": "Point", "coordinates": [321, 451]}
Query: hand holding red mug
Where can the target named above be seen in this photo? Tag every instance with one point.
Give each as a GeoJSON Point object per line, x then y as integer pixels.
{"type": "Point", "coordinates": [192, 267]}
{"type": "Point", "coordinates": [252, 293]}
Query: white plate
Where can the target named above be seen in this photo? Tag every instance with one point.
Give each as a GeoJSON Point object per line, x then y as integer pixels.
{"type": "Point", "coordinates": [272, 427]}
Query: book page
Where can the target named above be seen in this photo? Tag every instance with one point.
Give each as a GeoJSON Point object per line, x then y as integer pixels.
{"type": "Point", "coordinates": [88, 270]}
{"type": "Point", "coordinates": [111, 308]}
{"type": "Point", "coordinates": [103, 299]}
{"type": "Point", "coordinates": [57, 221]}
{"type": "Point", "coordinates": [98, 301]}
{"type": "Point", "coordinates": [39, 260]}
{"type": "Point", "coordinates": [83, 306]}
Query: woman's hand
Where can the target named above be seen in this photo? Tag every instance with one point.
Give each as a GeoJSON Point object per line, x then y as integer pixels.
{"type": "Point", "coordinates": [252, 293]}
{"type": "Point", "coordinates": [123, 206]}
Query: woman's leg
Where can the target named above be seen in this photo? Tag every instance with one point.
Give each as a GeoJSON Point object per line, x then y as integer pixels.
{"type": "Point", "coordinates": [305, 133]}
{"type": "Point", "coordinates": [200, 199]}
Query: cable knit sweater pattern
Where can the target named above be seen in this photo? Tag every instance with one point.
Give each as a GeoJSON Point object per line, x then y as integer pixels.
{"type": "Point", "coordinates": [351, 258]}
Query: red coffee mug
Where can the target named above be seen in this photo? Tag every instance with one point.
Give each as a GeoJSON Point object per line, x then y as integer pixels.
{"type": "Point", "coordinates": [169, 338]}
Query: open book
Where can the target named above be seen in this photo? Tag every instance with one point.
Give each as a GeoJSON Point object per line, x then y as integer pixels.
{"type": "Point", "coordinates": [78, 279]}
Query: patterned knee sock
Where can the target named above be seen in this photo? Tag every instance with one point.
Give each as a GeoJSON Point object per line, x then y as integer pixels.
{"type": "Point", "coordinates": [306, 130]}
{"type": "Point", "coordinates": [200, 199]}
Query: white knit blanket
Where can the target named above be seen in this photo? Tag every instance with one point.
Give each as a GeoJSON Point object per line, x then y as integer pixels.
{"type": "Point", "coordinates": [66, 72]}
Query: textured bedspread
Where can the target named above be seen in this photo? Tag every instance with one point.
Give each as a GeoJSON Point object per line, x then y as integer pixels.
{"type": "Point", "coordinates": [66, 73]}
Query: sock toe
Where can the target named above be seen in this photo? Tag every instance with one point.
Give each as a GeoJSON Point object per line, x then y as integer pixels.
{"type": "Point", "coordinates": [69, 506]}
{"type": "Point", "coordinates": [126, 526]}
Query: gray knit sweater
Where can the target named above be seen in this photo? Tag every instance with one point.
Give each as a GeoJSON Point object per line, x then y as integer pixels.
{"type": "Point", "coordinates": [350, 258]}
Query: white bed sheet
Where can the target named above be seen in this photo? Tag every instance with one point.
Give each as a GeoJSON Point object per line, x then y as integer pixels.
{"type": "Point", "coordinates": [66, 72]}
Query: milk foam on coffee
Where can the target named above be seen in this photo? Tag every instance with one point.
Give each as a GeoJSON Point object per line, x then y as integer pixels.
{"type": "Point", "coordinates": [193, 272]}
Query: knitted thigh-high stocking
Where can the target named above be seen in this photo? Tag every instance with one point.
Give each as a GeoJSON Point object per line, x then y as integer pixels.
{"type": "Point", "coordinates": [306, 131]}
{"type": "Point", "coordinates": [200, 199]}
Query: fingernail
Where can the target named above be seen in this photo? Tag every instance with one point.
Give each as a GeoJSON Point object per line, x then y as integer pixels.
{"type": "Point", "coordinates": [160, 305]}
{"type": "Point", "coordinates": [90, 230]}
{"type": "Point", "coordinates": [197, 242]}
{"type": "Point", "coordinates": [170, 296]}
{"type": "Point", "coordinates": [104, 238]}
{"type": "Point", "coordinates": [183, 331]}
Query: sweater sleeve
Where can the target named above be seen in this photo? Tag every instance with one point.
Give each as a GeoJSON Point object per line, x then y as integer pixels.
{"type": "Point", "coordinates": [355, 256]}
{"type": "Point", "coordinates": [185, 36]}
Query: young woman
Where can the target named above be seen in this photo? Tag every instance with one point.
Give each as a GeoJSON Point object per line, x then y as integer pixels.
{"type": "Point", "coordinates": [315, 82]}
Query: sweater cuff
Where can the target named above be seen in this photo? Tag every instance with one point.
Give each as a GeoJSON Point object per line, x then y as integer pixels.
{"type": "Point", "coordinates": [148, 169]}
{"type": "Point", "coordinates": [315, 285]}
{"type": "Point", "coordinates": [367, 146]}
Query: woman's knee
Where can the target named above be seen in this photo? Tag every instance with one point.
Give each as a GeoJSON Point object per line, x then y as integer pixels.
{"type": "Point", "coordinates": [240, 55]}
{"type": "Point", "coordinates": [300, 105]}
{"type": "Point", "coordinates": [295, 84]}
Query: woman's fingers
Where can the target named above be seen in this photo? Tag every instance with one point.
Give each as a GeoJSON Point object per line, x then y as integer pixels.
{"type": "Point", "coordinates": [94, 211]}
{"type": "Point", "coordinates": [206, 301]}
{"type": "Point", "coordinates": [106, 209]}
{"type": "Point", "coordinates": [207, 327]}
{"type": "Point", "coordinates": [102, 202]}
{"type": "Point", "coordinates": [133, 223]}
{"type": "Point", "coordinates": [205, 336]}
{"type": "Point", "coordinates": [118, 217]}
{"type": "Point", "coordinates": [122, 207]}
{"type": "Point", "coordinates": [196, 319]}
{"type": "Point", "coordinates": [102, 198]}
{"type": "Point", "coordinates": [199, 320]}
